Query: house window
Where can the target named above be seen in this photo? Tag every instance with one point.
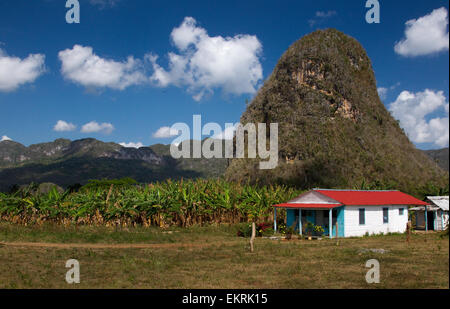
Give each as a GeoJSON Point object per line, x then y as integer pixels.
{"type": "Point", "coordinates": [385, 215]}
{"type": "Point", "coordinates": [401, 211]}
{"type": "Point", "coordinates": [362, 216]}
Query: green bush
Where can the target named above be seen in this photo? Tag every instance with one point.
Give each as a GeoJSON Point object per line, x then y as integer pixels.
{"type": "Point", "coordinates": [245, 230]}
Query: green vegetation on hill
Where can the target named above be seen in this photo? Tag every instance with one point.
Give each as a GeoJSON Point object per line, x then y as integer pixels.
{"type": "Point", "coordinates": [82, 169]}
{"type": "Point", "coordinates": [334, 131]}
{"type": "Point", "coordinates": [205, 168]}
{"type": "Point", "coordinates": [66, 162]}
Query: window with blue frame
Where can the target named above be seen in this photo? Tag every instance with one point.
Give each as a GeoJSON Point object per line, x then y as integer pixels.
{"type": "Point", "coordinates": [401, 211]}
{"type": "Point", "coordinates": [362, 216]}
{"type": "Point", "coordinates": [385, 215]}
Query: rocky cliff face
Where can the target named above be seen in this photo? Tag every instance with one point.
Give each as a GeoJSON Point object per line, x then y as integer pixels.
{"type": "Point", "coordinates": [145, 154]}
{"type": "Point", "coordinates": [12, 153]}
{"type": "Point", "coordinates": [333, 129]}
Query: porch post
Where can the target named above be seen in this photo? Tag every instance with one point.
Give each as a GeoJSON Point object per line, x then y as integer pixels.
{"type": "Point", "coordinates": [435, 220]}
{"type": "Point", "coordinates": [415, 213]}
{"type": "Point", "coordinates": [300, 221]}
{"type": "Point", "coordinates": [426, 220]}
{"type": "Point", "coordinates": [275, 219]}
{"type": "Point", "coordinates": [442, 219]}
{"type": "Point", "coordinates": [330, 223]}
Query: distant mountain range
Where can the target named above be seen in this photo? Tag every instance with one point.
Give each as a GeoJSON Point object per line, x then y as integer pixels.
{"type": "Point", "coordinates": [440, 156]}
{"type": "Point", "coordinates": [66, 162]}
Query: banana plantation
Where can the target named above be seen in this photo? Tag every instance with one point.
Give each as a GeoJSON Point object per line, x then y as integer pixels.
{"type": "Point", "coordinates": [170, 203]}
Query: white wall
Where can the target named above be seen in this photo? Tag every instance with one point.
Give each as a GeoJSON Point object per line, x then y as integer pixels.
{"type": "Point", "coordinates": [441, 218]}
{"type": "Point", "coordinates": [374, 220]}
{"type": "Point", "coordinates": [445, 215]}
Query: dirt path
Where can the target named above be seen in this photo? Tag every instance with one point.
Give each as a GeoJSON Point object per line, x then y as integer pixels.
{"type": "Point", "coordinates": [111, 246]}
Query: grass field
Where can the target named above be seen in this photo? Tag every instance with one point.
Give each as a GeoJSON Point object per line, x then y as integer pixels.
{"type": "Point", "coordinates": [213, 257]}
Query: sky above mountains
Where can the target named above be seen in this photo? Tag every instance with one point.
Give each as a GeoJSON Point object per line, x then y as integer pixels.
{"type": "Point", "coordinates": [131, 69]}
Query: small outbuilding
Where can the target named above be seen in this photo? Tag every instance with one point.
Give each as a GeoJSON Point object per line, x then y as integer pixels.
{"type": "Point", "coordinates": [346, 213]}
{"type": "Point", "coordinates": [434, 216]}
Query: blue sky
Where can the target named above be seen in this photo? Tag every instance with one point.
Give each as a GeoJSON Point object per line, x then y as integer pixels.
{"type": "Point", "coordinates": [125, 90]}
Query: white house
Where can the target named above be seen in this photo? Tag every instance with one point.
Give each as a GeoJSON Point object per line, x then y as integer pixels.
{"type": "Point", "coordinates": [349, 212]}
{"type": "Point", "coordinates": [433, 216]}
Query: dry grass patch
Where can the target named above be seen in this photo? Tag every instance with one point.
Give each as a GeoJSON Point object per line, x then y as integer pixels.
{"type": "Point", "coordinates": [224, 261]}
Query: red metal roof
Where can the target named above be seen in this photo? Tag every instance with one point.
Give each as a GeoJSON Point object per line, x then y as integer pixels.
{"type": "Point", "coordinates": [310, 206]}
{"type": "Point", "coordinates": [374, 198]}
{"type": "Point", "coordinates": [358, 198]}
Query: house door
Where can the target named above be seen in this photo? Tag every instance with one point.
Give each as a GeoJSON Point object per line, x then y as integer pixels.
{"type": "Point", "coordinates": [430, 218]}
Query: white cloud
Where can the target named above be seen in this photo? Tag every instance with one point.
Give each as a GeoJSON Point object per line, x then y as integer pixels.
{"type": "Point", "coordinates": [94, 127]}
{"type": "Point", "coordinates": [132, 145]}
{"type": "Point", "coordinates": [426, 35]}
{"type": "Point", "coordinates": [382, 92]}
{"type": "Point", "coordinates": [15, 71]}
{"type": "Point", "coordinates": [83, 67]}
{"type": "Point", "coordinates": [412, 109]}
{"type": "Point", "coordinates": [62, 126]}
{"type": "Point", "coordinates": [5, 138]}
{"type": "Point", "coordinates": [320, 17]}
{"type": "Point", "coordinates": [165, 132]}
{"type": "Point", "coordinates": [205, 63]}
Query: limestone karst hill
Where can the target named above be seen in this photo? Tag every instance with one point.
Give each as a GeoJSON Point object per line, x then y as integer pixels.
{"type": "Point", "coordinates": [333, 129]}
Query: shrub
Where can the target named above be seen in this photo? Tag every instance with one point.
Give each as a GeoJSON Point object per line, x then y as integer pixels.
{"type": "Point", "coordinates": [268, 232]}
{"type": "Point", "coordinates": [262, 229]}
{"type": "Point", "coordinates": [245, 231]}
{"type": "Point", "coordinates": [281, 228]}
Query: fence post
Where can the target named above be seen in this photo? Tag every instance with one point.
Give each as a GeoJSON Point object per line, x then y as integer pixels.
{"type": "Point", "coordinates": [408, 231]}
{"type": "Point", "coordinates": [252, 239]}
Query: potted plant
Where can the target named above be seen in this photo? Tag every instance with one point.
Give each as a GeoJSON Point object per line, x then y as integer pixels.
{"type": "Point", "coordinates": [309, 228]}
{"type": "Point", "coordinates": [289, 231]}
{"type": "Point", "coordinates": [318, 230]}
{"type": "Point", "coordinates": [282, 228]}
